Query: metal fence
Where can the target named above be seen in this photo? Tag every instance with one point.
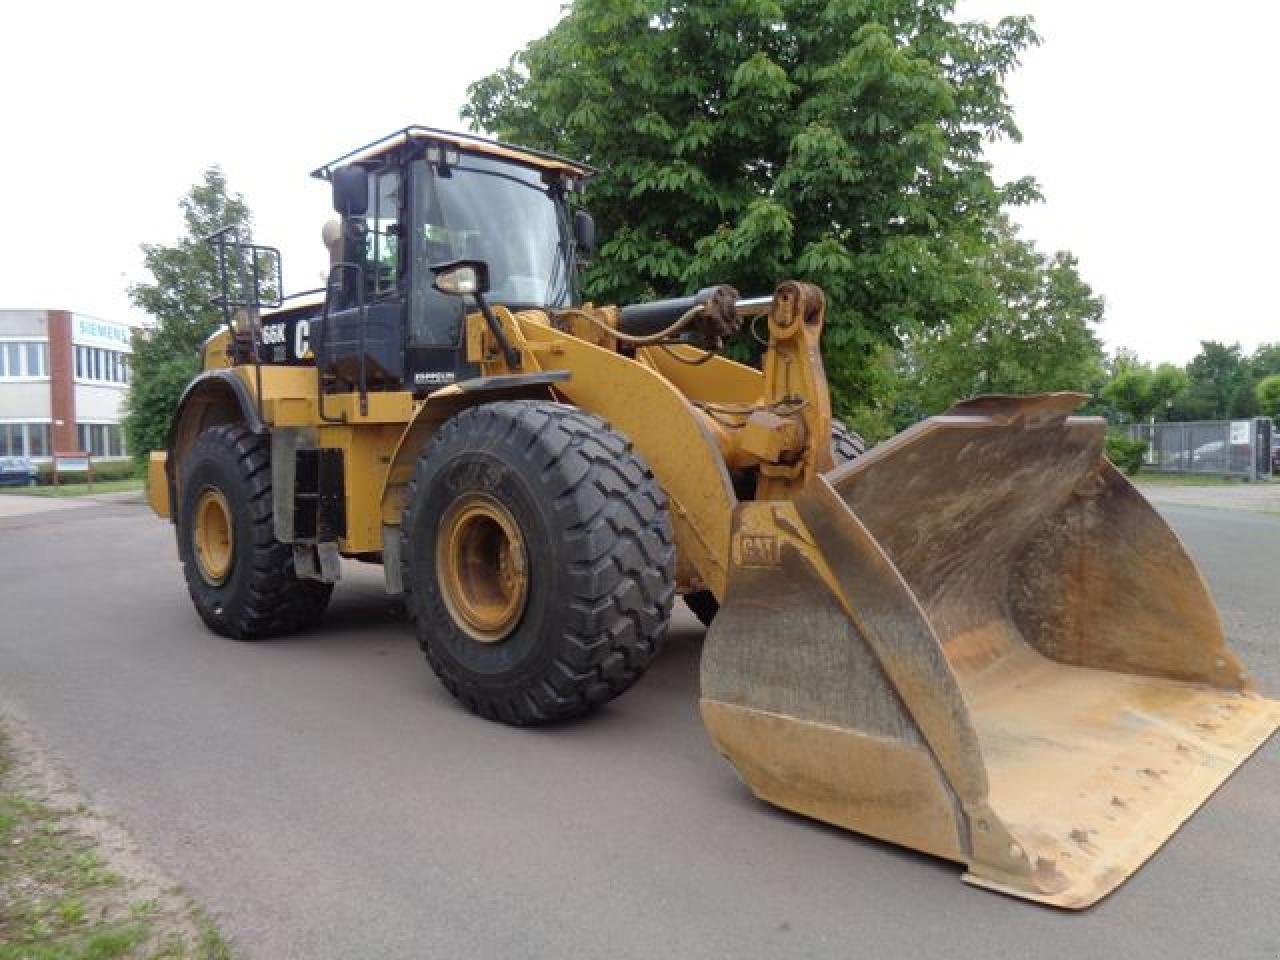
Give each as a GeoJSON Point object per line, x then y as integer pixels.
{"type": "Point", "coordinates": [1228, 448]}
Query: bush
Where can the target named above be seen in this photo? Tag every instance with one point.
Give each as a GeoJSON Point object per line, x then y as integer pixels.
{"type": "Point", "coordinates": [1126, 454]}
{"type": "Point", "coordinates": [105, 470]}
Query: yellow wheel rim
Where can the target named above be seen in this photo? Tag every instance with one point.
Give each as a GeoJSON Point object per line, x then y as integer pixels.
{"type": "Point", "coordinates": [214, 541]}
{"type": "Point", "coordinates": [482, 567]}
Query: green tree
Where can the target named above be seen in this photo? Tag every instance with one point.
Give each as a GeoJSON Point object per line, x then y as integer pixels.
{"type": "Point", "coordinates": [1139, 392]}
{"type": "Point", "coordinates": [1129, 392]}
{"type": "Point", "coordinates": [745, 141]}
{"type": "Point", "coordinates": [179, 299]}
{"type": "Point", "coordinates": [1267, 392]}
{"type": "Point", "coordinates": [1168, 382]}
{"type": "Point", "coordinates": [1030, 330]}
{"type": "Point", "coordinates": [1265, 361]}
{"type": "Point", "coordinates": [1219, 385]}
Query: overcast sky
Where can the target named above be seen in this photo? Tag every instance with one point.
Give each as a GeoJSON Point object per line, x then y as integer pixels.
{"type": "Point", "coordinates": [1150, 126]}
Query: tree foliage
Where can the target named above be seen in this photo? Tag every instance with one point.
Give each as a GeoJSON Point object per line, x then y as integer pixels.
{"type": "Point", "coordinates": [1219, 383]}
{"type": "Point", "coordinates": [1220, 386]}
{"type": "Point", "coordinates": [1267, 392]}
{"type": "Point", "coordinates": [1030, 328]}
{"type": "Point", "coordinates": [1265, 361]}
{"type": "Point", "coordinates": [178, 298]}
{"type": "Point", "coordinates": [1141, 393]}
{"type": "Point", "coordinates": [746, 141]}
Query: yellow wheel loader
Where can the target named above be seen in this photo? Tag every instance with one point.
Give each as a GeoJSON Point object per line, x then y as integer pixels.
{"type": "Point", "coordinates": [976, 639]}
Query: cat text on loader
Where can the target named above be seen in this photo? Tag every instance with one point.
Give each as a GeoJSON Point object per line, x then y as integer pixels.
{"type": "Point", "coordinates": [976, 640]}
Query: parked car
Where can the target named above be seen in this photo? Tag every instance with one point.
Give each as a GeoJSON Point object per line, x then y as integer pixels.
{"type": "Point", "coordinates": [17, 472]}
{"type": "Point", "coordinates": [1208, 451]}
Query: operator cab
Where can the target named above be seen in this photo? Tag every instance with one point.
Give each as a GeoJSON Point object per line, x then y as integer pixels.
{"type": "Point", "coordinates": [423, 197]}
{"type": "Point", "coordinates": [412, 201]}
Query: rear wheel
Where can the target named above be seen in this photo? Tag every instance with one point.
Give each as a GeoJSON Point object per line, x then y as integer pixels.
{"type": "Point", "coordinates": [845, 446]}
{"type": "Point", "coordinates": [538, 561]}
{"type": "Point", "coordinates": [240, 577]}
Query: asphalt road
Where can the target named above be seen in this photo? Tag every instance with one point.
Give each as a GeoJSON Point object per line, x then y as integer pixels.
{"type": "Point", "coordinates": [326, 799]}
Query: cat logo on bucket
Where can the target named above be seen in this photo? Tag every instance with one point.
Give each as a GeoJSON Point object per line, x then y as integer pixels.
{"type": "Point", "coordinates": [759, 550]}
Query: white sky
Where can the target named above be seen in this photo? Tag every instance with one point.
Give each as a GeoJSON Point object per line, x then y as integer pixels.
{"type": "Point", "coordinates": [1150, 126]}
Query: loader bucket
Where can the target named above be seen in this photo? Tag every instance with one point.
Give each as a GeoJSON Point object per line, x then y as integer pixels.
{"type": "Point", "coordinates": [980, 641]}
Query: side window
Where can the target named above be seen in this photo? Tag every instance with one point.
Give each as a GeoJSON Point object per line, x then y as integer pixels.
{"type": "Point", "coordinates": [382, 236]}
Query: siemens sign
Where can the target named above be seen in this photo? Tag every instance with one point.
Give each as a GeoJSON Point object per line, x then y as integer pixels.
{"type": "Point", "coordinates": [101, 332]}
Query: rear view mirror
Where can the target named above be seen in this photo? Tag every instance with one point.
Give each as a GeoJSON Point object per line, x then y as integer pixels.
{"type": "Point", "coordinates": [351, 191]}
{"type": "Point", "coordinates": [584, 232]}
{"type": "Point", "coordinates": [462, 277]}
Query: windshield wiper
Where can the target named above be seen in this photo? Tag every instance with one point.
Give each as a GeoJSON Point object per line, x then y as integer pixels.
{"type": "Point", "coordinates": [541, 188]}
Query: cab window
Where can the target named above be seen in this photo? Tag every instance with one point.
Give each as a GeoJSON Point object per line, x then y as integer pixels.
{"type": "Point", "coordinates": [382, 235]}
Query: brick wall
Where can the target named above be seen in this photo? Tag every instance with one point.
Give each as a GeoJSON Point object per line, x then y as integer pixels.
{"type": "Point", "coordinates": [62, 383]}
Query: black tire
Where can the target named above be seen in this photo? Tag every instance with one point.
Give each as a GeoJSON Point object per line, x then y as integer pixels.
{"type": "Point", "coordinates": [260, 596]}
{"type": "Point", "coordinates": [600, 560]}
{"type": "Point", "coordinates": [845, 446]}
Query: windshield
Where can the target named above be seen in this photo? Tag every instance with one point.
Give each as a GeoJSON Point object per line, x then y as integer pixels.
{"type": "Point", "coordinates": [501, 213]}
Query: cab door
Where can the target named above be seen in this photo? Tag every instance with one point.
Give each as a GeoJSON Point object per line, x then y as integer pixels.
{"type": "Point", "coordinates": [435, 349]}
{"type": "Point", "coordinates": [368, 300]}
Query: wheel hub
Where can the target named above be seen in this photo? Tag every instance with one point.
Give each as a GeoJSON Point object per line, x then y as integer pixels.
{"type": "Point", "coordinates": [482, 567]}
{"type": "Point", "coordinates": [214, 540]}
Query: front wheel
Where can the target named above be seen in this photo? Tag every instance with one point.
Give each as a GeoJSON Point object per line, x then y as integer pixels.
{"type": "Point", "coordinates": [539, 563]}
{"type": "Point", "coordinates": [241, 579]}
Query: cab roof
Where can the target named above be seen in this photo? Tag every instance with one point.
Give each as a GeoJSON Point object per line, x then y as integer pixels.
{"type": "Point", "coordinates": [469, 142]}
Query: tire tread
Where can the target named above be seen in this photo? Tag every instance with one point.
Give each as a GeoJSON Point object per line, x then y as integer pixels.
{"type": "Point", "coordinates": [278, 601]}
{"type": "Point", "coordinates": [618, 534]}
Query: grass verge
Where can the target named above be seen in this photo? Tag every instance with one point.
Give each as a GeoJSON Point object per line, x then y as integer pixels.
{"type": "Point", "coordinates": [77, 489]}
{"type": "Point", "coordinates": [1184, 480]}
{"type": "Point", "coordinates": [70, 889]}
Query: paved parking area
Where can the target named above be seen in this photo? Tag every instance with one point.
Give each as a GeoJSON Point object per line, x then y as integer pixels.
{"type": "Point", "coordinates": [327, 799]}
{"type": "Point", "coordinates": [21, 505]}
{"type": "Point", "coordinates": [1257, 497]}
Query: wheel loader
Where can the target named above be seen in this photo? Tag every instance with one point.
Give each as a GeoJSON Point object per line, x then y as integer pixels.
{"type": "Point", "coordinates": [976, 639]}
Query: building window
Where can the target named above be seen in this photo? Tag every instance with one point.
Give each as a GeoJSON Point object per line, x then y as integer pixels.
{"type": "Point", "coordinates": [24, 360]}
{"type": "Point", "coordinates": [24, 439]}
{"type": "Point", "coordinates": [102, 439]}
{"type": "Point", "coordinates": [37, 439]}
{"type": "Point", "coordinates": [104, 366]}
{"type": "Point", "coordinates": [37, 360]}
